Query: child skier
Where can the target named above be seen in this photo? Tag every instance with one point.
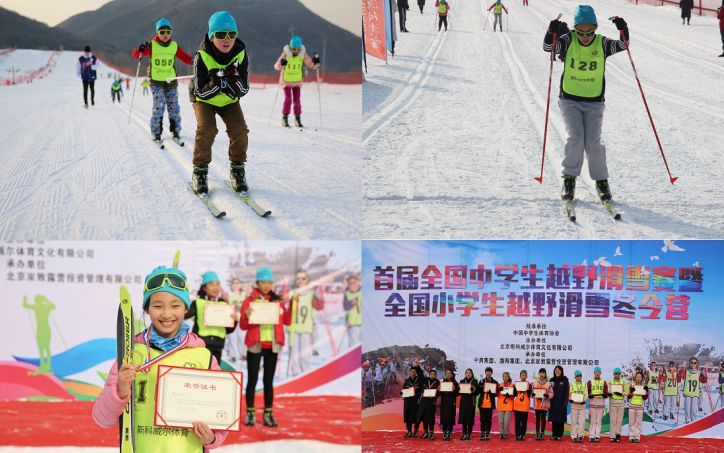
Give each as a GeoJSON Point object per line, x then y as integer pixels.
{"type": "Point", "coordinates": [443, 8]}
{"type": "Point", "coordinates": [263, 341]}
{"type": "Point", "coordinates": [636, 409]}
{"type": "Point", "coordinates": [466, 417]}
{"type": "Point", "coordinates": [542, 404]}
{"type": "Point", "coordinates": [487, 404]}
{"type": "Point", "coordinates": [448, 402]}
{"type": "Point", "coordinates": [521, 407]}
{"type": "Point", "coordinates": [652, 381]}
{"type": "Point", "coordinates": [305, 302]}
{"type": "Point", "coordinates": [210, 293]}
{"type": "Point", "coordinates": [290, 63]}
{"type": "Point", "coordinates": [116, 91]}
{"type": "Point", "coordinates": [578, 410]}
{"type": "Point", "coordinates": [582, 98]}
{"type": "Point", "coordinates": [162, 52]}
{"type": "Point", "coordinates": [412, 403]}
{"type": "Point", "coordinates": [426, 409]}
{"type": "Point", "coordinates": [505, 406]}
{"type": "Point", "coordinates": [144, 84]}
{"type": "Point", "coordinates": [221, 78]}
{"type": "Point", "coordinates": [499, 8]}
{"type": "Point", "coordinates": [165, 300]}
{"type": "Point", "coordinates": [671, 391]}
{"type": "Point", "coordinates": [693, 378]}
{"type": "Point", "coordinates": [86, 68]}
{"type": "Point", "coordinates": [597, 394]}
{"type": "Point", "coordinates": [616, 405]}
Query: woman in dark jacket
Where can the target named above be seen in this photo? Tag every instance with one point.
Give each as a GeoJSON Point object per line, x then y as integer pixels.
{"type": "Point", "coordinates": [558, 413]}
{"type": "Point", "coordinates": [686, 7]}
{"type": "Point", "coordinates": [409, 415]}
{"type": "Point", "coordinates": [467, 405]}
{"type": "Point", "coordinates": [421, 4]}
{"type": "Point", "coordinates": [426, 409]}
{"type": "Point", "coordinates": [448, 406]}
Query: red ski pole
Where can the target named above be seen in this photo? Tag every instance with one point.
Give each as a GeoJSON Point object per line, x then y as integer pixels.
{"type": "Point", "coordinates": [548, 104]}
{"type": "Point", "coordinates": [623, 38]}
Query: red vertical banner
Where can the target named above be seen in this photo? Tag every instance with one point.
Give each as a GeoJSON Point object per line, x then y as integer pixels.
{"type": "Point", "coordinates": [373, 18]}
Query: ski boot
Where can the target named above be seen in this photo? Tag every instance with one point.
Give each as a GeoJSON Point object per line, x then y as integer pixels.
{"type": "Point", "coordinates": [250, 419]}
{"type": "Point", "coordinates": [285, 120]}
{"type": "Point", "coordinates": [424, 435]}
{"type": "Point", "coordinates": [298, 121]}
{"type": "Point", "coordinates": [238, 177]}
{"type": "Point", "coordinates": [414, 433]}
{"type": "Point", "coordinates": [200, 183]}
{"type": "Point", "coordinates": [604, 193]}
{"type": "Point", "coordinates": [269, 418]}
{"type": "Point", "coordinates": [568, 192]}
{"type": "Point", "coordinates": [430, 435]}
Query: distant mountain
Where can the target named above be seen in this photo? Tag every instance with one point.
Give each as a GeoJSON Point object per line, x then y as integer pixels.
{"type": "Point", "coordinates": [264, 26]}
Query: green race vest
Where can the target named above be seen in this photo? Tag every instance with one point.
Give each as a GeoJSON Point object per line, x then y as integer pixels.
{"type": "Point", "coordinates": [205, 331]}
{"type": "Point", "coordinates": [293, 69]}
{"type": "Point", "coordinates": [636, 400]}
{"type": "Point", "coordinates": [266, 331]}
{"type": "Point", "coordinates": [583, 75]}
{"type": "Point", "coordinates": [154, 439]}
{"type": "Point", "coordinates": [303, 312]}
{"type": "Point", "coordinates": [721, 374]}
{"type": "Point", "coordinates": [116, 87]}
{"type": "Point", "coordinates": [579, 388]}
{"type": "Point", "coordinates": [692, 387]}
{"type": "Point", "coordinates": [653, 385]}
{"type": "Point", "coordinates": [616, 397]}
{"type": "Point", "coordinates": [597, 388]}
{"type": "Point", "coordinates": [671, 386]}
{"type": "Point", "coordinates": [498, 8]}
{"type": "Point", "coordinates": [162, 59]}
{"type": "Point", "coordinates": [354, 316]}
{"type": "Point", "coordinates": [237, 299]}
{"type": "Point", "coordinates": [220, 99]}
{"type": "Point", "coordinates": [442, 8]}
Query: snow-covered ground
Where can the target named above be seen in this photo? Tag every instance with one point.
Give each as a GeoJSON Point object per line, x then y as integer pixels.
{"type": "Point", "coordinates": [453, 129]}
{"type": "Point", "coordinates": [73, 173]}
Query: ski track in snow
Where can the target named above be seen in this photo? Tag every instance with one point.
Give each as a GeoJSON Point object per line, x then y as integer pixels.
{"type": "Point", "coordinates": [72, 173]}
{"type": "Point", "coordinates": [453, 129]}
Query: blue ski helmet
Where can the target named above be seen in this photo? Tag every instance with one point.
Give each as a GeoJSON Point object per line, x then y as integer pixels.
{"type": "Point", "coordinates": [182, 294]}
{"type": "Point", "coordinates": [221, 21]}
{"type": "Point", "coordinates": [264, 274]}
{"type": "Point", "coordinates": [584, 15]}
{"type": "Point", "coordinates": [295, 42]}
{"type": "Point", "coordinates": [162, 23]}
{"type": "Point", "coordinates": [208, 277]}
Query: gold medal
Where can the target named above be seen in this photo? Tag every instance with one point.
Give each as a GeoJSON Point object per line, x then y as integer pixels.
{"type": "Point", "coordinates": [134, 358]}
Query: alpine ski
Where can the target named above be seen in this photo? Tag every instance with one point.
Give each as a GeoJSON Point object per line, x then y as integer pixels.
{"type": "Point", "coordinates": [205, 199]}
{"type": "Point", "coordinates": [246, 199]}
{"type": "Point", "coordinates": [611, 210]}
{"type": "Point", "coordinates": [159, 143]}
{"type": "Point", "coordinates": [124, 338]}
{"type": "Point", "coordinates": [178, 141]}
{"type": "Point", "coordinates": [570, 211]}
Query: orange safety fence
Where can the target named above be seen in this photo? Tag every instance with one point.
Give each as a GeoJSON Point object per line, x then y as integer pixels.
{"type": "Point", "coordinates": [7, 51]}
{"type": "Point", "coordinates": [30, 75]}
{"type": "Point", "coordinates": [701, 7]}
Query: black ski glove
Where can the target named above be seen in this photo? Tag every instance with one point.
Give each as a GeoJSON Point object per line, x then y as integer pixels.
{"type": "Point", "coordinates": [283, 62]}
{"type": "Point", "coordinates": [545, 395]}
{"type": "Point", "coordinates": [316, 59]}
{"type": "Point", "coordinates": [619, 23]}
{"type": "Point", "coordinates": [216, 76]}
{"type": "Point", "coordinates": [142, 48]}
{"type": "Point", "coordinates": [490, 392]}
{"type": "Point", "coordinates": [554, 26]}
{"type": "Point", "coordinates": [590, 397]}
{"type": "Point", "coordinates": [618, 393]}
{"type": "Point", "coordinates": [563, 29]}
{"type": "Point", "coordinates": [646, 387]}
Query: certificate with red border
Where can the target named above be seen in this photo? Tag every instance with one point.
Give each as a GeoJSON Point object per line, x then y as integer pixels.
{"type": "Point", "coordinates": [521, 386]}
{"type": "Point", "coordinates": [446, 387]}
{"type": "Point", "coordinates": [218, 315]}
{"type": "Point", "coordinates": [490, 386]}
{"type": "Point", "coordinates": [466, 389]}
{"type": "Point", "coordinates": [264, 313]}
{"type": "Point", "coordinates": [408, 392]}
{"type": "Point", "coordinates": [187, 395]}
{"type": "Point", "coordinates": [429, 393]}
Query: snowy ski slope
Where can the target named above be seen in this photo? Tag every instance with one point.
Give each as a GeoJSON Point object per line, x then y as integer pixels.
{"type": "Point", "coordinates": [72, 173]}
{"type": "Point", "coordinates": [453, 129]}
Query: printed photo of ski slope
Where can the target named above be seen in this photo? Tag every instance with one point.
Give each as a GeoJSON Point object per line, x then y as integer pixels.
{"type": "Point", "coordinates": [453, 127]}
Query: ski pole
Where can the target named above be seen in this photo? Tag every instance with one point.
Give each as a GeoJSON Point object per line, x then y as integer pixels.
{"type": "Point", "coordinates": [548, 104]}
{"type": "Point", "coordinates": [319, 95]}
{"type": "Point", "coordinates": [135, 83]}
{"type": "Point", "coordinates": [170, 79]}
{"type": "Point", "coordinates": [275, 102]}
{"type": "Point", "coordinates": [486, 20]}
{"type": "Point", "coordinates": [623, 38]}
{"type": "Point", "coordinates": [507, 22]}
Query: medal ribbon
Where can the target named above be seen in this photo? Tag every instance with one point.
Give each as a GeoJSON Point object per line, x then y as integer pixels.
{"type": "Point", "coordinates": [150, 362]}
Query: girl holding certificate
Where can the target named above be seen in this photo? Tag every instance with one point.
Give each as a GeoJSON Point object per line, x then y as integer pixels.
{"type": "Point", "coordinates": [448, 399]}
{"type": "Point", "coordinates": [597, 394]}
{"type": "Point", "coordinates": [579, 395]}
{"type": "Point", "coordinates": [412, 385]}
{"type": "Point", "coordinates": [636, 408]}
{"type": "Point", "coordinates": [428, 401]}
{"type": "Point", "coordinates": [558, 413]}
{"type": "Point", "coordinates": [468, 391]}
{"type": "Point", "coordinates": [489, 389]}
{"type": "Point", "coordinates": [521, 405]}
{"type": "Point", "coordinates": [263, 340]}
{"type": "Point", "coordinates": [166, 342]}
{"type": "Point", "coordinates": [543, 392]}
{"type": "Point", "coordinates": [615, 406]}
{"type": "Point", "coordinates": [213, 336]}
{"type": "Point", "coordinates": [505, 405]}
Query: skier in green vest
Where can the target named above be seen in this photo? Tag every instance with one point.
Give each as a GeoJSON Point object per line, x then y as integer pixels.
{"type": "Point", "coordinates": [671, 391]}
{"type": "Point", "coordinates": [582, 97]}
{"type": "Point", "coordinates": [144, 84]}
{"type": "Point", "coordinates": [209, 293]}
{"type": "Point", "coordinates": [290, 63]}
{"type": "Point", "coordinates": [443, 10]}
{"type": "Point", "coordinates": [116, 91]}
{"type": "Point", "coordinates": [653, 378]}
{"type": "Point", "coordinates": [162, 52]}
{"type": "Point", "coordinates": [352, 304]}
{"type": "Point", "coordinates": [305, 302]}
{"type": "Point", "coordinates": [234, 346]}
{"type": "Point", "coordinates": [221, 78]}
{"type": "Point", "coordinates": [616, 405]}
{"type": "Point", "coordinates": [166, 342]}
{"type": "Point", "coordinates": [691, 388]}
{"type": "Point", "coordinates": [499, 8]}
{"type": "Point", "coordinates": [636, 409]}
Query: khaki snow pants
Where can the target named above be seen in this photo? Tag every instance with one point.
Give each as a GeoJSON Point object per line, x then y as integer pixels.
{"type": "Point", "coordinates": [206, 131]}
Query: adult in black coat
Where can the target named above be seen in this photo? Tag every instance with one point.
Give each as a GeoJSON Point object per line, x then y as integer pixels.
{"type": "Point", "coordinates": [412, 403]}
{"type": "Point", "coordinates": [421, 4]}
{"type": "Point", "coordinates": [466, 416]}
{"type": "Point", "coordinates": [426, 409]}
{"type": "Point", "coordinates": [686, 7]}
{"type": "Point", "coordinates": [558, 411]}
{"type": "Point", "coordinates": [402, 7]}
{"type": "Point", "coordinates": [486, 403]}
{"type": "Point", "coordinates": [448, 405]}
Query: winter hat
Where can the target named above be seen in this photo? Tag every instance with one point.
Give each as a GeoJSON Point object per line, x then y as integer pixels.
{"type": "Point", "coordinates": [295, 42]}
{"type": "Point", "coordinates": [264, 274]}
{"type": "Point", "coordinates": [598, 368]}
{"type": "Point", "coordinates": [208, 277]}
{"type": "Point", "coordinates": [577, 373]}
{"type": "Point", "coordinates": [162, 23]}
{"type": "Point", "coordinates": [584, 15]}
{"type": "Point", "coordinates": [182, 294]}
{"type": "Point", "coordinates": [221, 21]}
{"type": "Point", "coordinates": [86, 49]}
{"type": "Point", "coordinates": [617, 370]}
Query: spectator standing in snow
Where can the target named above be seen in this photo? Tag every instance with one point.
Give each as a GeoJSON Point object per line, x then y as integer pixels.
{"type": "Point", "coordinates": [686, 7]}
{"type": "Point", "coordinates": [86, 68]}
{"type": "Point", "coordinates": [402, 7]}
{"type": "Point", "coordinates": [421, 4]}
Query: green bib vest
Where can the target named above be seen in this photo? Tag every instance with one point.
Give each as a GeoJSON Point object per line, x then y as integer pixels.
{"type": "Point", "coordinates": [597, 388]}
{"type": "Point", "coordinates": [205, 331]}
{"type": "Point", "coordinates": [721, 387]}
{"type": "Point", "coordinates": [579, 388]}
{"type": "Point", "coordinates": [498, 8]}
{"type": "Point", "coordinates": [619, 382]}
{"type": "Point", "coordinates": [237, 299]}
{"type": "Point", "coordinates": [162, 59]}
{"type": "Point", "coordinates": [156, 439]}
{"type": "Point", "coordinates": [636, 400]}
{"type": "Point", "coordinates": [220, 99]}
{"type": "Point", "coordinates": [583, 75]}
{"type": "Point", "coordinates": [354, 316]}
{"type": "Point", "coordinates": [293, 69]}
{"type": "Point", "coordinates": [653, 375]}
{"type": "Point", "coordinates": [116, 87]}
{"type": "Point", "coordinates": [442, 8]}
{"type": "Point", "coordinates": [266, 331]}
{"type": "Point", "coordinates": [303, 312]}
{"type": "Point", "coordinates": [671, 386]}
{"type": "Point", "coordinates": [692, 389]}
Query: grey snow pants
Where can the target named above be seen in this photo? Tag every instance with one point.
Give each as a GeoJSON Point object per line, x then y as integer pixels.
{"type": "Point", "coordinates": [583, 123]}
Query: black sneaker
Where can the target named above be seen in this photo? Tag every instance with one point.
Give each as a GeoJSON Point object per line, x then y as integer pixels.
{"type": "Point", "coordinates": [414, 433]}
{"type": "Point", "coordinates": [94, 102]}
{"type": "Point", "coordinates": [430, 436]}
{"type": "Point", "coordinates": [568, 191]}
{"type": "Point", "coordinates": [199, 179]}
{"type": "Point", "coordinates": [285, 120]}
{"type": "Point", "coordinates": [409, 434]}
{"type": "Point", "coordinates": [298, 121]}
{"type": "Point", "coordinates": [722, 55]}
{"type": "Point", "coordinates": [604, 193]}
{"type": "Point", "coordinates": [424, 435]}
{"type": "Point", "coordinates": [238, 177]}
{"type": "Point", "coordinates": [269, 419]}
{"type": "Point", "coordinates": [482, 436]}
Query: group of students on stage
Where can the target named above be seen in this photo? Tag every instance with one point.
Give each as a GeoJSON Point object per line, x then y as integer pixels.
{"type": "Point", "coordinates": [549, 398]}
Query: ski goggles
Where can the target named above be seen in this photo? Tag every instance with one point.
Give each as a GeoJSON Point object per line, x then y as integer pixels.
{"type": "Point", "coordinates": [302, 278]}
{"type": "Point", "coordinates": [174, 281]}
{"type": "Point", "coordinates": [586, 34]}
{"type": "Point", "coordinates": [295, 49]}
{"type": "Point", "coordinates": [222, 35]}
{"type": "Point", "coordinates": [164, 32]}
{"type": "Point", "coordinates": [693, 363]}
